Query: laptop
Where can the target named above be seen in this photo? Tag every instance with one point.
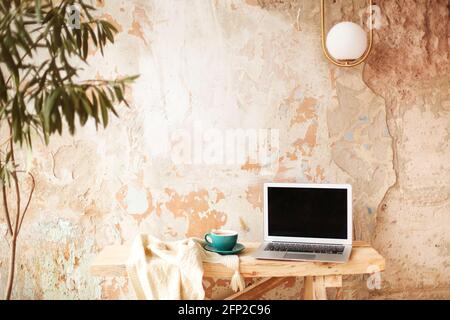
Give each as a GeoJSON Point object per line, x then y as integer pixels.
{"type": "Point", "coordinates": [307, 222]}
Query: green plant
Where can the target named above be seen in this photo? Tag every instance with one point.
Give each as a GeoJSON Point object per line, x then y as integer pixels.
{"type": "Point", "coordinates": [40, 91]}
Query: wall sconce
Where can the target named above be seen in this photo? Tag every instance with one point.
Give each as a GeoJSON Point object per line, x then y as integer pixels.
{"type": "Point", "coordinates": [346, 44]}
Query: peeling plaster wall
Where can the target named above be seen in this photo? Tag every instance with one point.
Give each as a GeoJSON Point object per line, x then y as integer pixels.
{"type": "Point", "coordinates": [222, 65]}
{"type": "Point", "coordinates": [410, 69]}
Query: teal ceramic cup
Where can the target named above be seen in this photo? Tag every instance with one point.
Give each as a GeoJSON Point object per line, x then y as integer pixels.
{"type": "Point", "coordinates": [222, 240]}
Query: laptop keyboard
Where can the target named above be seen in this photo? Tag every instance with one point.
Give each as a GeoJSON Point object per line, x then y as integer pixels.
{"type": "Point", "coordinates": [304, 247]}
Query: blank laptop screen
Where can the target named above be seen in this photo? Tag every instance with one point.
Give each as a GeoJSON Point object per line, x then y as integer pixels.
{"type": "Point", "coordinates": [307, 212]}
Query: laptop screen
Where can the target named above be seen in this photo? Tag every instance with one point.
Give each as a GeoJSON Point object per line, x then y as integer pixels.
{"type": "Point", "coordinates": [307, 212]}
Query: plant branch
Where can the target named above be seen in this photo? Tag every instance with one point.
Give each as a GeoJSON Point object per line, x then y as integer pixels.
{"type": "Point", "coordinates": [30, 196]}
{"type": "Point", "coordinates": [5, 207]}
{"type": "Point", "coordinates": [12, 261]}
{"type": "Point", "coordinates": [17, 187]}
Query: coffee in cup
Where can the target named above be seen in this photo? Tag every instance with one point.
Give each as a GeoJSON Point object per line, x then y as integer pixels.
{"type": "Point", "coordinates": [222, 240]}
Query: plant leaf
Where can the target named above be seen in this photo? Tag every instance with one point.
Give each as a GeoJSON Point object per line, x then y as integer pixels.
{"type": "Point", "coordinates": [49, 103]}
{"type": "Point", "coordinates": [38, 9]}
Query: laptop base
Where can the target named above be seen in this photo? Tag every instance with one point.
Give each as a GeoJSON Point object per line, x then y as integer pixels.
{"type": "Point", "coordinates": [261, 253]}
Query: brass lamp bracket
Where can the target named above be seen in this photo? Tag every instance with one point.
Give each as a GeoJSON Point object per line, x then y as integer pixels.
{"type": "Point", "coordinates": [346, 63]}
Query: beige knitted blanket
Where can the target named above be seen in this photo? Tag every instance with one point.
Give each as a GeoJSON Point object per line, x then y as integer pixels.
{"type": "Point", "coordinates": [173, 270]}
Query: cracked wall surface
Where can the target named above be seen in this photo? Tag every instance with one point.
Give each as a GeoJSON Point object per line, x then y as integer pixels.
{"type": "Point", "coordinates": [410, 68]}
{"type": "Point", "coordinates": [235, 64]}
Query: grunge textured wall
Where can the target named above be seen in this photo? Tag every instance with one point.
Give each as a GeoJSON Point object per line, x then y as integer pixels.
{"type": "Point", "coordinates": [222, 65]}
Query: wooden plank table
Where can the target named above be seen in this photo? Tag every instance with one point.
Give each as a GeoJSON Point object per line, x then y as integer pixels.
{"type": "Point", "coordinates": [318, 275]}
